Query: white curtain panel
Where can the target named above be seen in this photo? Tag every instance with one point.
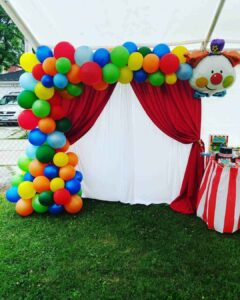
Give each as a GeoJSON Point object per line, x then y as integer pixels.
{"type": "Point", "coordinates": [125, 157]}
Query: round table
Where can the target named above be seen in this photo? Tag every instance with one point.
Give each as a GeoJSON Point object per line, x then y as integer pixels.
{"type": "Point", "coordinates": [218, 203]}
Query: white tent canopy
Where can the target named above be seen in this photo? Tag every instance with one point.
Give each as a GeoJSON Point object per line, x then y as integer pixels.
{"type": "Point", "coordinates": [124, 157]}
{"type": "Point", "coordinates": [109, 23]}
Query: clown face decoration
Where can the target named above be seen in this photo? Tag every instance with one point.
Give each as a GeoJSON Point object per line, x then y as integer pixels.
{"type": "Point", "coordinates": [213, 72]}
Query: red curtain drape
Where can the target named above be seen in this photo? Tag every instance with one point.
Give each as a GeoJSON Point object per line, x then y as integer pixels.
{"type": "Point", "coordinates": [84, 110]}
{"type": "Point", "coordinates": [174, 111]}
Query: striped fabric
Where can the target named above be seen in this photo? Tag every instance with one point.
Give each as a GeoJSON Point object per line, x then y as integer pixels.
{"type": "Point", "coordinates": [218, 201]}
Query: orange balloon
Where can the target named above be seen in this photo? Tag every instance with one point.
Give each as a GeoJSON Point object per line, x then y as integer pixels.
{"type": "Point", "coordinates": [24, 207]}
{"type": "Point", "coordinates": [75, 205]}
{"type": "Point", "coordinates": [64, 94]}
{"type": "Point", "coordinates": [64, 148]}
{"type": "Point", "coordinates": [74, 75]}
{"type": "Point", "coordinates": [41, 184]}
{"type": "Point", "coordinates": [72, 159]}
{"type": "Point", "coordinates": [47, 125]}
{"type": "Point", "coordinates": [67, 172]}
{"type": "Point", "coordinates": [101, 86]}
{"type": "Point", "coordinates": [36, 168]}
{"type": "Point", "coordinates": [151, 63]}
{"type": "Point", "coordinates": [49, 66]}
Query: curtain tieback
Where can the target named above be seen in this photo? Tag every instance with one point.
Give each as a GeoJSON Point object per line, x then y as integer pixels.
{"type": "Point", "coordinates": [201, 144]}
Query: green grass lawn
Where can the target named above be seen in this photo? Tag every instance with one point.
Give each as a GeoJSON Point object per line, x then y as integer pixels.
{"type": "Point", "coordinates": [115, 251]}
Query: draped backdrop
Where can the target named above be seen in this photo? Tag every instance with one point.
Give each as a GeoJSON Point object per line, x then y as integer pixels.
{"type": "Point", "coordinates": [177, 116]}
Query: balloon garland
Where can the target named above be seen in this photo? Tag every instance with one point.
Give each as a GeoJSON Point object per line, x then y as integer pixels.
{"type": "Point", "coordinates": [48, 180]}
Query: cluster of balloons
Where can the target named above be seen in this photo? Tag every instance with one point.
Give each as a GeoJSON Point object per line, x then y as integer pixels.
{"type": "Point", "coordinates": [48, 181]}
{"type": "Point", "coordinates": [67, 69]}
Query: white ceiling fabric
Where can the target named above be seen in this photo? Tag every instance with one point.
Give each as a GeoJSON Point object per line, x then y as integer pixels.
{"type": "Point", "coordinates": [109, 23]}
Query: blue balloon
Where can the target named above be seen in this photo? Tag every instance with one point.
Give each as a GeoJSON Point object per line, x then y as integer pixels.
{"type": "Point", "coordinates": [60, 81]}
{"type": "Point", "coordinates": [184, 72]}
{"type": "Point", "coordinates": [140, 76]}
{"type": "Point", "coordinates": [36, 137]}
{"type": "Point", "coordinates": [56, 139]}
{"type": "Point", "coordinates": [83, 54]}
{"type": "Point", "coordinates": [51, 171]}
{"type": "Point", "coordinates": [161, 49]}
{"type": "Point", "coordinates": [28, 177]}
{"type": "Point", "coordinates": [78, 176]}
{"type": "Point", "coordinates": [31, 151]}
{"type": "Point", "coordinates": [73, 186]}
{"type": "Point", "coordinates": [47, 81]}
{"type": "Point", "coordinates": [43, 52]}
{"type": "Point", "coordinates": [131, 47]}
{"type": "Point", "coordinates": [55, 209]}
{"type": "Point", "coordinates": [27, 81]}
{"type": "Point", "coordinates": [101, 56]}
{"type": "Point", "coordinates": [12, 194]}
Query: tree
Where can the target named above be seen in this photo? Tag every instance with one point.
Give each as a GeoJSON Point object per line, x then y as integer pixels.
{"type": "Point", "coordinates": [11, 42]}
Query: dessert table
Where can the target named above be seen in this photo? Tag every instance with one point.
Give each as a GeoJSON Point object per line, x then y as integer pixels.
{"type": "Point", "coordinates": [218, 203]}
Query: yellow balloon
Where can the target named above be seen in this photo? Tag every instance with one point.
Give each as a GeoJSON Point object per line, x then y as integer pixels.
{"type": "Point", "coordinates": [26, 190]}
{"type": "Point", "coordinates": [135, 61]}
{"type": "Point", "coordinates": [60, 159]}
{"type": "Point", "coordinates": [28, 60]}
{"type": "Point", "coordinates": [56, 184]}
{"type": "Point", "coordinates": [42, 92]}
{"type": "Point", "coordinates": [126, 75]}
{"type": "Point", "coordinates": [171, 78]}
{"type": "Point", "coordinates": [179, 51]}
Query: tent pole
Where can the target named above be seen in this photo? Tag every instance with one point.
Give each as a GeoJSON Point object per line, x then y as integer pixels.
{"type": "Point", "coordinates": [6, 5]}
{"type": "Point", "coordinates": [213, 24]}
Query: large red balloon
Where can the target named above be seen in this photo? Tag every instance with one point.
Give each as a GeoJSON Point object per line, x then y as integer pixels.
{"type": "Point", "coordinates": [62, 197]}
{"type": "Point", "coordinates": [65, 49]}
{"type": "Point", "coordinates": [169, 63]}
{"type": "Point", "coordinates": [55, 100]}
{"type": "Point", "coordinates": [38, 72]}
{"type": "Point", "coordinates": [27, 120]}
{"type": "Point", "coordinates": [57, 112]}
{"type": "Point", "coordinates": [91, 73]}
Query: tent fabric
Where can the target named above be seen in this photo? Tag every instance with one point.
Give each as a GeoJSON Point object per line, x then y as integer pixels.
{"type": "Point", "coordinates": [109, 23]}
{"type": "Point", "coordinates": [125, 157]}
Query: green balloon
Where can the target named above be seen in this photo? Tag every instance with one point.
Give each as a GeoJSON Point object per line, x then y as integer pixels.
{"type": "Point", "coordinates": [46, 198]}
{"type": "Point", "coordinates": [80, 193]}
{"type": "Point", "coordinates": [17, 179]}
{"type": "Point", "coordinates": [144, 51]}
{"type": "Point", "coordinates": [37, 206]}
{"type": "Point", "coordinates": [119, 56]}
{"type": "Point", "coordinates": [41, 108]}
{"type": "Point", "coordinates": [63, 65]}
{"type": "Point", "coordinates": [157, 78]}
{"type": "Point", "coordinates": [111, 73]}
{"type": "Point", "coordinates": [63, 125]}
{"type": "Point", "coordinates": [23, 162]}
{"type": "Point", "coordinates": [74, 89]}
{"type": "Point", "coordinates": [45, 153]}
{"type": "Point", "coordinates": [26, 99]}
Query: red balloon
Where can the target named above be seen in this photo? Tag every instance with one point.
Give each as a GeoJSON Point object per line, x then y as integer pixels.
{"type": "Point", "coordinates": [62, 197]}
{"type": "Point", "coordinates": [57, 112]}
{"type": "Point", "coordinates": [38, 72]}
{"type": "Point", "coordinates": [65, 49]}
{"type": "Point", "coordinates": [55, 100]}
{"type": "Point", "coordinates": [91, 73]}
{"type": "Point", "coordinates": [27, 120]}
{"type": "Point", "coordinates": [169, 63]}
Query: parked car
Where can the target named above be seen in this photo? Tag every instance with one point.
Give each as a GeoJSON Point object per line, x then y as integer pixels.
{"type": "Point", "coordinates": [9, 109]}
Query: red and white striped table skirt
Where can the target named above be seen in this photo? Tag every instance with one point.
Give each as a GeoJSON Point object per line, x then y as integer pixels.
{"type": "Point", "coordinates": [218, 201]}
